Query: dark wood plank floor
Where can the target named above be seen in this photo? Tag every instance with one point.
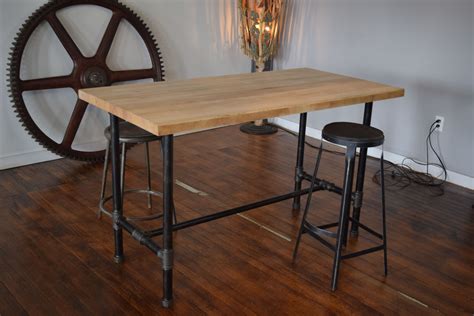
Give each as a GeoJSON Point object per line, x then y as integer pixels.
{"type": "Point", "coordinates": [55, 256]}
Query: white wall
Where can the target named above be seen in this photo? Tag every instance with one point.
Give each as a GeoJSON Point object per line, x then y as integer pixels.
{"type": "Point", "coordinates": [197, 38]}
{"type": "Point", "coordinates": [425, 46]}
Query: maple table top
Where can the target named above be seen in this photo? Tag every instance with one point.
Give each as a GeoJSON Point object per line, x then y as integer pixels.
{"type": "Point", "coordinates": [169, 107]}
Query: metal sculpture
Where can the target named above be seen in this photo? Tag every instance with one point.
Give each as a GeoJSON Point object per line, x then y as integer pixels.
{"type": "Point", "coordinates": [87, 71]}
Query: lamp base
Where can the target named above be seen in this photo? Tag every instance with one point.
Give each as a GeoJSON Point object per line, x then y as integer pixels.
{"type": "Point", "coordinates": [252, 129]}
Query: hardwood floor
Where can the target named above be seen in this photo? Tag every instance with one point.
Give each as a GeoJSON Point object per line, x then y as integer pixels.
{"type": "Point", "coordinates": [56, 256]}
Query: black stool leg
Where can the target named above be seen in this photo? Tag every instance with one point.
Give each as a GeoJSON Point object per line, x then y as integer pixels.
{"type": "Point", "coordinates": [384, 228]}
{"type": "Point", "coordinates": [343, 217]}
{"type": "Point", "coordinates": [308, 201]}
{"type": "Point", "coordinates": [104, 178]}
{"type": "Point", "coordinates": [345, 232]}
{"type": "Point", "coordinates": [175, 220]}
{"type": "Point", "coordinates": [148, 173]}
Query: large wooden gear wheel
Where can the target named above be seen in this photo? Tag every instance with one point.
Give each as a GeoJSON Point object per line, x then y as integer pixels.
{"type": "Point", "coordinates": [87, 71]}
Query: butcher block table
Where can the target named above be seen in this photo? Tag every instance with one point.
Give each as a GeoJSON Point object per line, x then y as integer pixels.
{"type": "Point", "coordinates": [167, 108]}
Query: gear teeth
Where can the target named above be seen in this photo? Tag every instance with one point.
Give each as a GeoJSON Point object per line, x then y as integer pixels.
{"type": "Point", "coordinates": [15, 56]}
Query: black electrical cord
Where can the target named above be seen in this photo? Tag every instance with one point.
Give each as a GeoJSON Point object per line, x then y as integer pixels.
{"type": "Point", "coordinates": [401, 175]}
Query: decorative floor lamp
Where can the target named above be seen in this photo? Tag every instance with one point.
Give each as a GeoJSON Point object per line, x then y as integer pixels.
{"type": "Point", "coordinates": [259, 29]}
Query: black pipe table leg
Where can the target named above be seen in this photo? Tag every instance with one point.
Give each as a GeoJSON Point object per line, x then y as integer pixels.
{"type": "Point", "coordinates": [343, 217]}
{"type": "Point", "coordinates": [299, 171]}
{"type": "Point", "coordinates": [360, 174]}
{"type": "Point", "coordinates": [167, 250]}
{"type": "Point", "coordinates": [117, 213]}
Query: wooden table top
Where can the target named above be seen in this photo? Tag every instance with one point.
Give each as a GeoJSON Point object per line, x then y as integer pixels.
{"type": "Point", "coordinates": [169, 107]}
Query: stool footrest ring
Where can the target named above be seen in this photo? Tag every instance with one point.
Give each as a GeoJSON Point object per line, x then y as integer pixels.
{"type": "Point", "coordinates": [362, 252]}
{"type": "Point", "coordinates": [132, 218]}
{"type": "Point", "coordinates": [319, 238]}
{"type": "Point", "coordinates": [366, 228]}
{"type": "Point", "coordinates": [319, 230]}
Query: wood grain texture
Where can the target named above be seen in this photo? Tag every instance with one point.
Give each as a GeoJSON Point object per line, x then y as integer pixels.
{"type": "Point", "coordinates": [56, 256]}
{"type": "Point", "coordinates": [165, 108]}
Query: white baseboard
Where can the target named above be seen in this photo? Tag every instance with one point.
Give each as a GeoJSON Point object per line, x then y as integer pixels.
{"type": "Point", "coordinates": [26, 158]}
{"type": "Point", "coordinates": [452, 177]}
{"type": "Point", "coordinates": [36, 156]}
{"type": "Point", "coordinates": [42, 155]}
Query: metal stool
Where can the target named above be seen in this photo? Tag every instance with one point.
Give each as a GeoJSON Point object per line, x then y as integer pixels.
{"type": "Point", "coordinates": [129, 135]}
{"type": "Point", "coordinates": [352, 136]}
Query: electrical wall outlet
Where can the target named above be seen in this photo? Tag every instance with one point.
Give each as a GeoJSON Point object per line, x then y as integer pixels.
{"type": "Point", "coordinates": [440, 124]}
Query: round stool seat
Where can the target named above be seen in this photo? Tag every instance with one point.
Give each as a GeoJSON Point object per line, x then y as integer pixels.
{"type": "Point", "coordinates": [352, 134]}
{"type": "Point", "coordinates": [131, 134]}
